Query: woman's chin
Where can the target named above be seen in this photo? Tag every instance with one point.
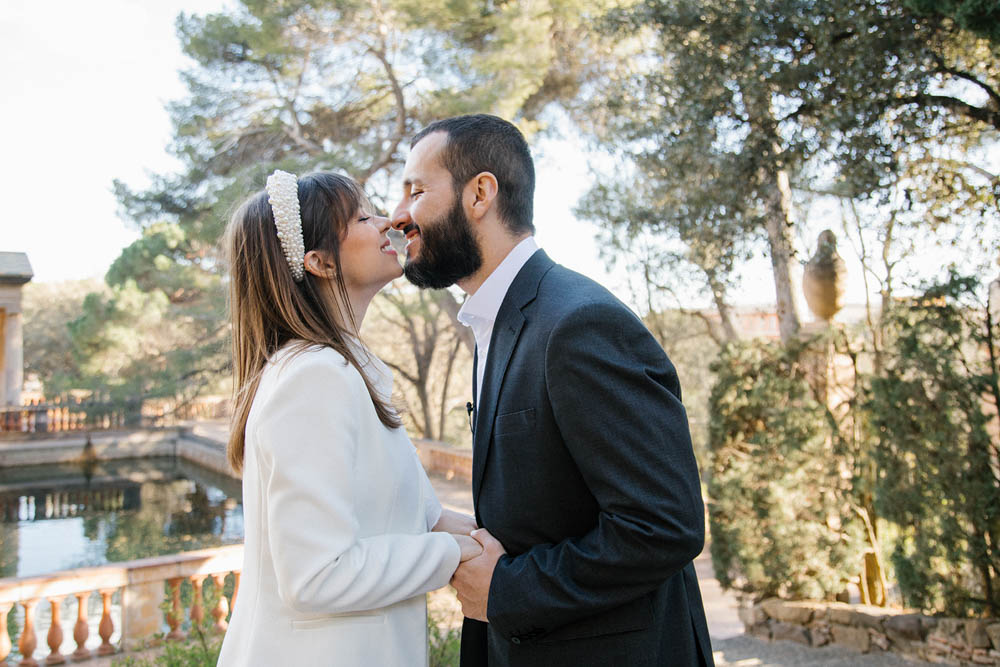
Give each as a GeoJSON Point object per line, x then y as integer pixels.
{"type": "Point", "coordinates": [390, 276]}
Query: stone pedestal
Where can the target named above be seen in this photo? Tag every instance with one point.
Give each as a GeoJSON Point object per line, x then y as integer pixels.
{"type": "Point", "coordinates": [142, 616]}
{"type": "Point", "coordinates": [831, 373]}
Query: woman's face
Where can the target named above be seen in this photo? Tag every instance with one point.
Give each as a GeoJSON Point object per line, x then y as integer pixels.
{"type": "Point", "coordinates": [367, 260]}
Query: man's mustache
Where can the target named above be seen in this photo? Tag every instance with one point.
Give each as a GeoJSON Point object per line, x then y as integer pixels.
{"type": "Point", "coordinates": [410, 227]}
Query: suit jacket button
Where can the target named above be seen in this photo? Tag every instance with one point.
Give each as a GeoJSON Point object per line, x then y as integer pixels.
{"type": "Point", "coordinates": [515, 640]}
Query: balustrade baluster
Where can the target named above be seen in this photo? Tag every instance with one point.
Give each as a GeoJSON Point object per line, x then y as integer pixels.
{"type": "Point", "coordinates": [82, 629]}
{"type": "Point", "coordinates": [28, 641]}
{"type": "Point", "coordinates": [5, 644]}
{"type": "Point", "coordinates": [55, 636]}
{"type": "Point", "coordinates": [176, 614]}
{"type": "Point", "coordinates": [236, 588]}
{"type": "Point", "coordinates": [197, 611]}
{"type": "Point", "coordinates": [107, 626]}
{"type": "Point", "coordinates": [221, 609]}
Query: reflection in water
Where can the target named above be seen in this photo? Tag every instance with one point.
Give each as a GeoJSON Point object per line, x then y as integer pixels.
{"type": "Point", "coordinates": [65, 516]}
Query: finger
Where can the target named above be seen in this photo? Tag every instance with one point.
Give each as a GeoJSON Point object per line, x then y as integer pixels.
{"type": "Point", "coordinates": [482, 536]}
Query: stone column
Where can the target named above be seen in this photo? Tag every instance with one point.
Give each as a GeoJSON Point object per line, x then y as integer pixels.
{"type": "Point", "coordinates": [13, 358]}
{"type": "Point", "coordinates": [3, 350]}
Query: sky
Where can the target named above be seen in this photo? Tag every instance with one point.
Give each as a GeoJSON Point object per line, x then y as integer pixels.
{"type": "Point", "coordinates": [83, 103]}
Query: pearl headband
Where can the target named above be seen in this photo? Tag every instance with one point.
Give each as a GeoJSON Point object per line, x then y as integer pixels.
{"type": "Point", "coordinates": [283, 196]}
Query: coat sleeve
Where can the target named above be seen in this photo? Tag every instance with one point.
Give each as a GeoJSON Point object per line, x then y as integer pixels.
{"type": "Point", "coordinates": [616, 400]}
{"type": "Point", "coordinates": [309, 435]}
{"type": "Point", "coordinates": [432, 506]}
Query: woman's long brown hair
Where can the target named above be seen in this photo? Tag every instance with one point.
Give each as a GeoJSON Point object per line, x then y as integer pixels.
{"type": "Point", "coordinates": [269, 309]}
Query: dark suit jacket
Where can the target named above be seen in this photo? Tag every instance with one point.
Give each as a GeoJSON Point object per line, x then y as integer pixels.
{"type": "Point", "coordinates": [583, 469]}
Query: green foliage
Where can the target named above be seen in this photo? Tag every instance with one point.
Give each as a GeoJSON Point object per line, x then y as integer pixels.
{"type": "Point", "coordinates": [200, 648]}
{"type": "Point", "coordinates": [724, 100]}
{"type": "Point", "coordinates": [444, 642]}
{"type": "Point", "coordinates": [782, 519]}
{"type": "Point", "coordinates": [979, 16]}
{"type": "Point", "coordinates": [937, 452]}
{"type": "Point", "coordinates": [49, 310]}
{"type": "Point", "coordinates": [303, 85]}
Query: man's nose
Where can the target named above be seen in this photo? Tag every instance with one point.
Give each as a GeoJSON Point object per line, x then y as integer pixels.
{"type": "Point", "coordinates": [401, 217]}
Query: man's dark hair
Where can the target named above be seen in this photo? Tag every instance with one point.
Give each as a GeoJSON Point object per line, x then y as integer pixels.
{"type": "Point", "coordinates": [480, 142]}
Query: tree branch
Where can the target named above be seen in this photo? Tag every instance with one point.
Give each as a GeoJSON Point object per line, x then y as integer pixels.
{"type": "Point", "coordinates": [968, 76]}
{"type": "Point", "coordinates": [385, 157]}
{"type": "Point", "coordinates": [990, 117]}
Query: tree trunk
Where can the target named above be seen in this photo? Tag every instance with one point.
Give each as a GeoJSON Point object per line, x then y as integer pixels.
{"type": "Point", "coordinates": [778, 220]}
{"type": "Point", "coordinates": [452, 306]}
{"type": "Point", "coordinates": [443, 416]}
{"type": "Point", "coordinates": [729, 333]}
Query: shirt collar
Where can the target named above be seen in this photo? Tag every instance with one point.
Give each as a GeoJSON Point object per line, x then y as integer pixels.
{"type": "Point", "coordinates": [484, 305]}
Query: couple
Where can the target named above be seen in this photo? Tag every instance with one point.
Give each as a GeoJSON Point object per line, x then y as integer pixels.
{"type": "Point", "coordinates": [588, 503]}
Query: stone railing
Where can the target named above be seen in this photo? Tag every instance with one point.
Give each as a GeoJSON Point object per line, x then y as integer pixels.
{"type": "Point", "coordinates": [97, 414]}
{"type": "Point", "coordinates": [143, 586]}
{"type": "Point", "coordinates": [866, 629]}
{"type": "Point", "coordinates": [448, 461]}
{"type": "Point", "coordinates": [69, 415]}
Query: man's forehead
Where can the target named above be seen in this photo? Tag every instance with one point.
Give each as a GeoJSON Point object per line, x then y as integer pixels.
{"type": "Point", "coordinates": [425, 157]}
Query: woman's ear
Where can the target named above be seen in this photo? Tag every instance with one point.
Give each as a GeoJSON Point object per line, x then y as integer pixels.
{"type": "Point", "coordinates": [484, 189]}
{"type": "Point", "coordinates": [320, 264]}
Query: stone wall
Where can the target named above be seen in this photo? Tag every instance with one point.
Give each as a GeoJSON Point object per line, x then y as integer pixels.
{"type": "Point", "coordinates": [949, 641]}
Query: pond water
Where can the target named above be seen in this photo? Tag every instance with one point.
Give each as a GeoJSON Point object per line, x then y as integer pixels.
{"type": "Point", "coordinates": [57, 517]}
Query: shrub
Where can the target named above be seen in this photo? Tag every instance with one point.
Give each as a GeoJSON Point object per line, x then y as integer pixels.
{"type": "Point", "coordinates": [782, 520]}
{"type": "Point", "coordinates": [930, 414]}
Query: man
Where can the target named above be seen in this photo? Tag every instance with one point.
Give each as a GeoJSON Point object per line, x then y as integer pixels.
{"type": "Point", "coordinates": [582, 465]}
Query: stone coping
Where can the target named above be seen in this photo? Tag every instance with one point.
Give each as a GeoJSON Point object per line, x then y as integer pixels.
{"type": "Point", "coordinates": [207, 449]}
{"type": "Point", "coordinates": [869, 629]}
{"type": "Point", "coordinates": [118, 575]}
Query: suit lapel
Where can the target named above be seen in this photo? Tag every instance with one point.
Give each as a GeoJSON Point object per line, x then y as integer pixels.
{"type": "Point", "coordinates": [506, 331]}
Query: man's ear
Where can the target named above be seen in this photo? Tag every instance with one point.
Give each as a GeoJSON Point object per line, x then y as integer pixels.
{"type": "Point", "coordinates": [320, 264]}
{"type": "Point", "coordinates": [483, 189]}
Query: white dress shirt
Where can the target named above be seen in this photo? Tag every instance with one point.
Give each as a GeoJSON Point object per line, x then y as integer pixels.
{"type": "Point", "coordinates": [480, 310]}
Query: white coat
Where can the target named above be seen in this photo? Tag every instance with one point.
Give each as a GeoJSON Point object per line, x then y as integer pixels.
{"type": "Point", "coordinates": [337, 513]}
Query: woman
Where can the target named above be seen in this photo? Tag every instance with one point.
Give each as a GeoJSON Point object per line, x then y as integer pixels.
{"type": "Point", "coordinates": [344, 534]}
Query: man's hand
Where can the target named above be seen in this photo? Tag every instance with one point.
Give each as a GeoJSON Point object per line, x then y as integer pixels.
{"type": "Point", "coordinates": [472, 578]}
{"type": "Point", "coordinates": [455, 522]}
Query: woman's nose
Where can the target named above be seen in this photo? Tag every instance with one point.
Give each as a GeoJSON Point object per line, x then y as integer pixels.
{"type": "Point", "coordinates": [382, 223]}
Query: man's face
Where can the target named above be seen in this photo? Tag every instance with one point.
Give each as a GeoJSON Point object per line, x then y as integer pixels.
{"type": "Point", "coordinates": [441, 248]}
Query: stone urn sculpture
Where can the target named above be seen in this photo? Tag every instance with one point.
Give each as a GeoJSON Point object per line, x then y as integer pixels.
{"type": "Point", "coordinates": [823, 278]}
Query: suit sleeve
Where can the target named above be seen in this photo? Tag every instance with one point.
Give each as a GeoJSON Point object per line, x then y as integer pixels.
{"type": "Point", "coordinates": [308, 434]}
{"type": "Point", "coordinates": [616, 400]}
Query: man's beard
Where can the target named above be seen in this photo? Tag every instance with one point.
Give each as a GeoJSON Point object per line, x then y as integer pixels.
{"type": "Point", "coordinates": [448, 252]}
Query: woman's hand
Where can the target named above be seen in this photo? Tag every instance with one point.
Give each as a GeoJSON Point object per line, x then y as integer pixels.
{"type": "Point", "coordinates": [470, 547]}
{"type": "Point", "coordinates": [455, 522]}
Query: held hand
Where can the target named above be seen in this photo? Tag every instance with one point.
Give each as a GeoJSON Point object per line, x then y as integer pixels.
{"type": "Point", "coordinates": [472, 578]}
{"type": "Point", "coordinates": [470, 547]}
{"type": "Point", "coordinates": [455, 522]}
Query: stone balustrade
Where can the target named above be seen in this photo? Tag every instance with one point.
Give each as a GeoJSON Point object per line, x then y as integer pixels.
{"type": "Point", "coordinates": [144, 586]}
{"type": "Point", "coordinates": [69, 415]}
